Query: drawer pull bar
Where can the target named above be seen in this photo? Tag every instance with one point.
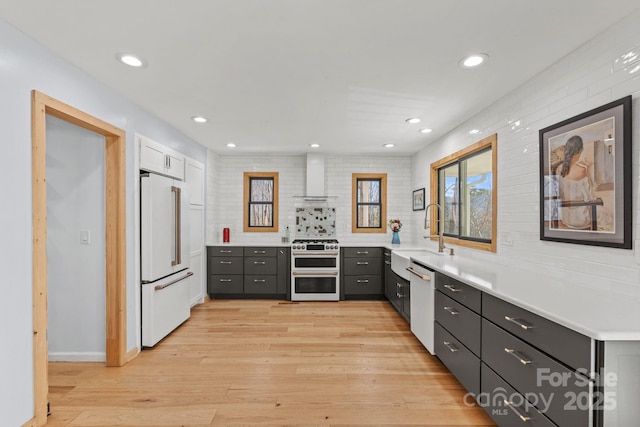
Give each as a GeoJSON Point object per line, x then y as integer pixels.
{"type": "Point", "coordinates": [225, 280]}
{"type": "Point", "coordinates": [259, 262]}
{"type": "Point", "coordinates": [424, 277]}
{"type": "Point", "coordinates": [362, 253]}
{"type": "Point", "coordinates": [225, 252]}
{"type": "Point", "coordinates": [517, 355]}
{"type": "Point", "coordinates": [225, 262]}
{"type": "Point", "coordinates": [518, 322]}
{"type": "Point", "coordinates": [259, 252]}
{"type": "Point", "coordinates": [259, 280]}
{"type": "Point", "coordinates": [451, 310]}
{"type": "Point", "coordinates": [362, 263]}
{"type": "Point", "coordinates": [363, 281]}
{"type": "Point", "coordinates": [452, 288]}
{"type": "Point", "coordinates": [388, 262]}
{"type": "Point", "coordinates": [450, 346]}
{"type": "Point", "coordinates": [524, 418]}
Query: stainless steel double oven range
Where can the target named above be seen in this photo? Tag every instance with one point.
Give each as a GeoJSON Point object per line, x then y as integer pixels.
{"type": "Point", "coordinates": [315, 270]}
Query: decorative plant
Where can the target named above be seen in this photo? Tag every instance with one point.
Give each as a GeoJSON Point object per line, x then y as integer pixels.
{"type": "Point", "coordinates": [395, 225]}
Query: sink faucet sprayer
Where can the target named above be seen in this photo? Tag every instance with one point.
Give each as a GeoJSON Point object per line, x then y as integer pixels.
{"type": "Point", "coordinates": [440, 234]}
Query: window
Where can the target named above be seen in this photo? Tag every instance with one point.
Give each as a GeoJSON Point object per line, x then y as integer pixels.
{"type": "Point", "coordinates": [260, 201]}
{"type": "Point", "coordinates": [464, 185]}
{"type": "Point", "coordinates": [369, 207]}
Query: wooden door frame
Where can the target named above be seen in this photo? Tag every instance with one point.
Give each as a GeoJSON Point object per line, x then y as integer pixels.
{"type": "Point", "coordinates": [115, 231]}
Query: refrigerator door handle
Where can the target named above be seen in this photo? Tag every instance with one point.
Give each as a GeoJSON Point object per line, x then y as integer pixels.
{"type": "Point", "coordinates": [178, 233]}
{"type": "Point", "coordinates": [166, 285]}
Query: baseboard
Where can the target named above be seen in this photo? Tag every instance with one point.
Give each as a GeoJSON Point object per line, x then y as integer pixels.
{"type": "Point", "coordinates": [77, 357]}
{"type": "Point", "coordinates": [131, 354]}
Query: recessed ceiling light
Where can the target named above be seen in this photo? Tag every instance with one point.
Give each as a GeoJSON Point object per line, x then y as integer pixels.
{"type": "Point", "coordinates": [199, 119]}
{"type": "Point", "coordinates": [389, 145]}
{"type": "Point", "coordinates": [131, 60]}
{"type": "Point", "coordinates": [231, 145]}
{"type": "Point", "coordinates": [474, 131]}
{"type": "Point", "coordinates": [474, 60]}
{"type": "Point", "coordinates": [314, 145]}
{"type": "Point", "coordinates": [413, 120]}
{"type": "Point", "coordinates": [426, 130]}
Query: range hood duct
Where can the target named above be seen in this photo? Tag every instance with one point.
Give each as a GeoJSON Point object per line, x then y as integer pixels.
{"type": "Point", "coordinates": [315, 179]}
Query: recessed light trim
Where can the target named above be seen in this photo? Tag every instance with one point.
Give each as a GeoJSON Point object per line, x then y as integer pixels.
{"type": "Point", "coordinates": [426, 130]}
{"type": "Point", "coordinates": [474, 131]}
{"type": "Point", "coordinates": [131, 60]}
{"type": "Point", "coordinates": [231, 145]}
{"type": "Point", "coordinates": [199, 119]}
{"type": "Point", "coordinates": [314, 145]}
{"type": "Point", "coordinates": [473, 60]}
{"type": "Point", "coordinates": [388, 145]}
{"type": "Point", "coordinates": [412, 120]}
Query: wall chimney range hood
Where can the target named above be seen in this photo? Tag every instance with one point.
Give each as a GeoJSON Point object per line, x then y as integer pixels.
{"type": "Point", "coordinates": [315, 179]}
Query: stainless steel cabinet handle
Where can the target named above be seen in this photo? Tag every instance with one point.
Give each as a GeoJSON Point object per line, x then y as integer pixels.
{"type": "Point", "coordinates": [387, 254]}
{"type": "Point", "coordinates": [452, 288]}
{"type": "Point", "coordinates": [225, 262]}
{"type": "Point", "coordinates": [259, 262]}
{"type": "Point", "coordinates": [518, 356]}
{"type": "Point", "coordinates": [259, 252]}
{"type": "Point", "coordinates": [450, 346]}
{"type": "Point", "coordinates": [451, 310]}
{"type": "Point", "coordinates": [518, 322]}
{"type": "Point", "coordinates": [388, 262]}
{"type": "Point", "coordinates": [363, 281]}
{"type": "Point", "coordinates": [166, 285]}
{"type": "Point", "coordinates": [362, 263]}
{"type": "Point", "coordinates": [362, 253]}
{"type": "Point", "coordinates": [225, 280]}
{"type": "Point", "coordinates": [424, 277]}
{"type": "Point", "coordinates": [259, 280]}
{"type": "Point", "coordinates": [523, 417]}
{"type": "Point", "coordinates": [224, 252]}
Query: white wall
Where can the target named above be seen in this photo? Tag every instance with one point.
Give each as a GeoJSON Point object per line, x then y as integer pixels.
{"type": "Point", "coordinates": [225, 193]}
{"type": "Point", "coordinates": [76, 281]}
{"type": "Point", "coordinates": [584, 80]}
{"type": "Point", "coordinates": [25, 65]}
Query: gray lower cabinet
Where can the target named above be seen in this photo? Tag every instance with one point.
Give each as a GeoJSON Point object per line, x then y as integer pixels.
{"type": "Point", "coordinates": [362, 270]}
{"type": "Point", "coordinates": [248, 272]}
{"type": "Point", "coordinates": [396, 288]}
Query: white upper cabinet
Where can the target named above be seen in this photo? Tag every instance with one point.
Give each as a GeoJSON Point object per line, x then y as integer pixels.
{"type": "Point", "coordinates": [155, 157]}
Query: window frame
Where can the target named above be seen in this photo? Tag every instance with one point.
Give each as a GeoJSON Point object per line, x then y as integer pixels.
{"type": "Point", "coordinates": [488, 143]}
{"type": "Point", "coordinates": [383, 202]}
{"type": "Point", "coordinates": [248, 176]}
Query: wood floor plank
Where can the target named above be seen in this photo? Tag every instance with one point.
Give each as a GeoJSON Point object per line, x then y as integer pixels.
{"type": "Point", "coordinates": [270, 363]}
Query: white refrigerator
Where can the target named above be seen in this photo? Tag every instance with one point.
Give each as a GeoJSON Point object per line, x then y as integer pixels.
{"type": "Point", "coordinates": [164, 247]}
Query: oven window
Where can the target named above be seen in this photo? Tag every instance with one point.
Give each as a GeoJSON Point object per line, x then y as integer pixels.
{"type": "Point", "coordinates": [316, 262]}
{"type": "Point", "coordinates": [315, 285]}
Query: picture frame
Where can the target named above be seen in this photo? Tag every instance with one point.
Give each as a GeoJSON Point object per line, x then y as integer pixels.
{"type": "Point", "coordinates": [418, 199]}
{"type": "Point", "coordinates": [585, 178]}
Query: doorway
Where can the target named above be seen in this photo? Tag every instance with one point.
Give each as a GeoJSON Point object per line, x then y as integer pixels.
{"type": "Point", "coordinates": [115, 238]}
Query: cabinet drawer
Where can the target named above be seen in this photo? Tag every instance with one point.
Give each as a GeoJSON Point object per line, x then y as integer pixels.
{"type": "Point", "coordinates": [362, 252]}
{"type": "Point", "coordinates": [362, 285]}
{"type": "Point", "coordinates": [531, 371]}
{"type": "Point", "coordinates": [463, 323]}
{"type": "Point", "coordinates": [225, 265]}
{"type": "Point", "coordinates": [461, 292]}
{"type": "Point", "coordinates": [463, 364]}
{"type": "Point", "coordinates": [225, 251]}
{"type": "Point", "coordinates": [260, 265]}
{"type": "Point", "coordinates": [225, 284]}
{"type": "Point", "coordinates": [259, 251]}
{"type": "Point", "coordinates": [360, 266]}
{"type": "Point", "coordinates": [562, 343]}
{"type": "Point", "coordinates": [495, 391]}
{"type": "Point", "coordinates": [260, 284]}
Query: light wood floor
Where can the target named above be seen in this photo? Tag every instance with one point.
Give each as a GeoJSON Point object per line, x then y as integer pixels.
{"type": "Point", "coordinates": [277, 363]}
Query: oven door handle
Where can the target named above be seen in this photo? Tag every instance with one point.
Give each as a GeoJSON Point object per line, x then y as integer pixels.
{"type": "Point", "coordinates": [310, 274]}
{"type": "Point", "coordinates": [315, 253]}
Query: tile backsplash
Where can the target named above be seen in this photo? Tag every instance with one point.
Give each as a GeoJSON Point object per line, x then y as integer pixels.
{"type": "Point", "coordinates": [315, 222]}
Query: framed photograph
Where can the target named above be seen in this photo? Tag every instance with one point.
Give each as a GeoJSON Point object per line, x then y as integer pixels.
{"type": "Point", "coordinates": [585, 178]}
{"type": "Point", "coordinates": [418, 200]}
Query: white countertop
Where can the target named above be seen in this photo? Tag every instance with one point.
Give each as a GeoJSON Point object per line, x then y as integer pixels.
{"type": "Point", "coordinates": [601, 315]}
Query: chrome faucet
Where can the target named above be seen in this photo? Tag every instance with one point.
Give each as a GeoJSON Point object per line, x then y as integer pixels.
{"type": "Point", "coordinates": [440, 234]}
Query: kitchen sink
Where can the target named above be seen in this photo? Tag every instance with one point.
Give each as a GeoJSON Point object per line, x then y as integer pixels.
{"type": "Point", "coordinates": [401, 259]}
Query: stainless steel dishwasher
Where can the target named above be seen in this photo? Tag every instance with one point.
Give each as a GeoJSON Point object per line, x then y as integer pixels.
{"type": "Point", "coordinates": [422, 303]}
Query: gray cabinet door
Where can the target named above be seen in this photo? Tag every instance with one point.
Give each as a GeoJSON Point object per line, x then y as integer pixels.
{"type": "Point", "coordinates": [256, 284]}
{"type": "Point", "coordinates": [225, 284]}
{"type": "Point", "coordinates": [260, 265]}
{"type": "Point", "coordinates": [284, 272]}
{"type": "Point", "coordinates": [225, 265]}
{"type": "Point", "coordinates": [462, 363]}
{"type": "Point", "coordinates": [463, 323]}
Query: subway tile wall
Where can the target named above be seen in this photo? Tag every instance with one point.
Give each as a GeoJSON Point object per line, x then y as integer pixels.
{"type": "Point", "coordinates": [585, 79]}
{"type": "Point", "coordinates": [225, 194]}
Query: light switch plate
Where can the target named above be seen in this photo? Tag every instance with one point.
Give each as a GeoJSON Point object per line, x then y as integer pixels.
{"type": "Point", "coordinates": [85, 237]}
{"type": "Point", "coordinates": [505, 239]}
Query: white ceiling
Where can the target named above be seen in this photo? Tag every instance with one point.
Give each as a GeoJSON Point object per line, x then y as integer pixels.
{"type": "Point", "coordinates": [277, 75]}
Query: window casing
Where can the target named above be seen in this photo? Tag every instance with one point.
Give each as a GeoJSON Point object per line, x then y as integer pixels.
{"type": "Point", "coordinates": [260, 201]}
{"type": "Point", "coordinates": [369, 203]}
{"type": "Point", "coordinates": [464, 185]}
